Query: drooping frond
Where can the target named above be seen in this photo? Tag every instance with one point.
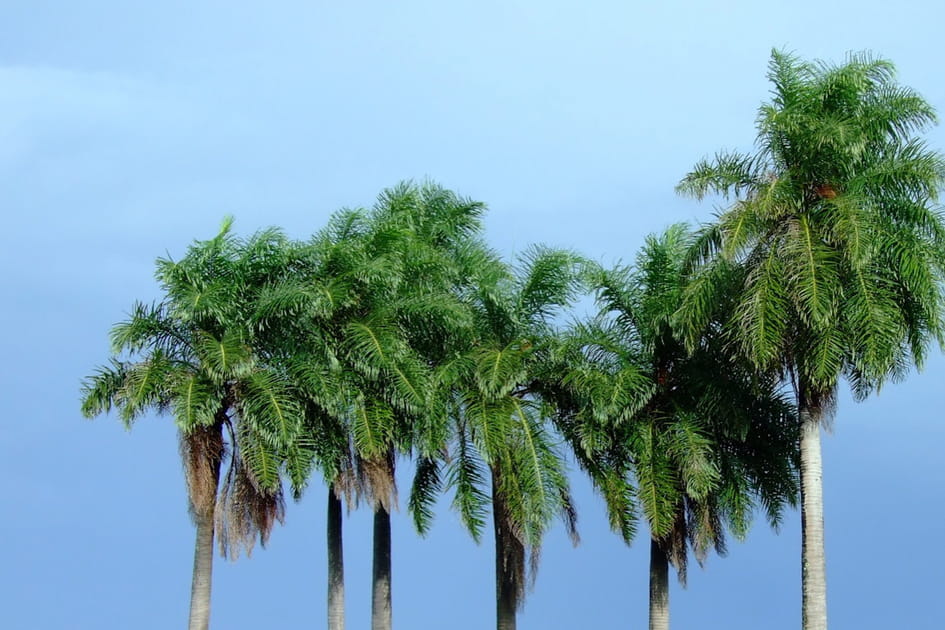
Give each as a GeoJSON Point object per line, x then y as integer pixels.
{"type": "Point", "coordinates": [224, 357]}
{"type": "Point", "coordinates": [726, 174]}
{"type": "Point", "coordinates": [246, 510]}
{"type": "Point", "coordinates": [548, 281]}
{"type": "Point", "coordinates": [194, 401]}
{"type": "Point", "coordinates": [202, 452]}
{"type": "Point", "coordinates": [466, 475]}
{"type": "Point", "coordinates": [268, 404]}
{"type": "Point", "coordinates": [102, 390]}
{"type": "Point", "coordinates": [427, 483]}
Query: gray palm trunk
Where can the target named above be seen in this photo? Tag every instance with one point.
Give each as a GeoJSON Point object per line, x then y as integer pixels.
{"type": "Point", "coordinates": [207, 445]}
{"type": "Point", "coordinates": [203, 570]}
{"type": "Point", "coordinates": [509, 556]}
{"type": "Point", "coordinates": [381, 614]}
{"type": "Point", "coordinates": [813, 560]}
{"type": "Point", "coordinates": [336, 564]}
{"type": "Point", "coordinates": [659, 587]}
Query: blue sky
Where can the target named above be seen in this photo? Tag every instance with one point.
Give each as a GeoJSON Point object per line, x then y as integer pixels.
{"type": "Point", "coordinates": [127, 129]}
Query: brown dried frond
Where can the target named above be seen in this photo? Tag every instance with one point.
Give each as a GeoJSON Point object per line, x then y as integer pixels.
{"type": "Point", "coordinates": [347, 486]}
{"type": "Point", "coordinates": [245, 512]}
{"type": "Point", "coordinates": [825, 405]}
{"type": "Point", "coordinates": [377, 480]}
{"type": "Point", "coordinates": [826, 191]}
{"type": "Point", "coordinates": [202, 451]}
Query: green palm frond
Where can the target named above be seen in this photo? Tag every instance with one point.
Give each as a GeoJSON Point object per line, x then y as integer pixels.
{"type": "Point", "coordinates": [427, 483]}
{"type": "Point", "coordinates": [144, 387]}
{"type": "Point", "coordinates": [409, 384]}
{"type": "Point", "coordinates": [548, 280]}
{"type": "Point", "coordinates": [260, 458]}
{"type": "Point", "coordinates": [657, 483]}
{"type": "Point", "coordinates": [762, 314]}
{"type": "Point", "coordinates": [466, 475]}
{"type": "Point", "coordinates": [373, 346]}
{"type": "Point", "coordinates": [148, 328]}
{"type": "Point", "coordinates": [811, 273]}
{"type": "Point", "coordinates": [194, 401]}
{"type": "Point", "coordinates": [372, 427]}
{"type": "Point", "coordinates": [267, 403]}
{"type": "Point", "coordinates": [499, 370]}
{"type": "Point", "coordinates": [102, 391]}
{"type": "Point", "coordinates": [302, 456]}
{"type": "Point", "coordinates": [727, 174]}
{"type": "Point", "coordinates": [292, 299]}
{"type": "Point", "coordinates": [692, 452]}
{"type": "Point", "coordinates": [489, 424]}
{"type": "Point", "coordinates": [225, 357]}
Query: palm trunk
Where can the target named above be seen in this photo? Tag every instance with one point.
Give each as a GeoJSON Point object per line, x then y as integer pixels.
{"type": "Point", "coordinates": [381, 615]}
{"type": "Point", "coordinates": [659, 587]}
{"type": "Point", "coordinates": [509, 563]}
{"type": "Point", "coordinates": [202, 449]}
{"type": "Point", "coordinates": [203, 570]}
{"type": "Point", "coordinates": [813, 561]}
{"type": "Point", "coordinates": [336, 565]}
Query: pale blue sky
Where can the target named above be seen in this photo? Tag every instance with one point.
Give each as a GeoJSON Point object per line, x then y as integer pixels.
{"type": "Point", "coordinates": [129, 128]}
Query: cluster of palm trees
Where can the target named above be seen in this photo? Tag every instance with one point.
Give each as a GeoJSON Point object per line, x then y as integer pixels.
{"type": "Point", "coordinates": [695, 396]}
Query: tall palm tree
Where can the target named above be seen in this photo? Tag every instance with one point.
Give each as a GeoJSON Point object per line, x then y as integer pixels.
{"type": "Point", "coordinates": [504, 451]}
{"type": "Point", "coordinates": [691, 440]}
{"type": "Point", "coordinates": [418, 232]}
{"type": "Point", "coordinates": [359, 324]}
{"type": "Point", "coordinates": [304, 317]}
{"type": "Point", "coordinates": [835, 226]}
{"type": "Point", "coordinates": [329, 326]}
{"type": "Point", "coordinates": [192, 355]}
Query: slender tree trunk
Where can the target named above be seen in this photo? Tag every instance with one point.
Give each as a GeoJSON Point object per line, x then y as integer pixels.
{"type": "Point", "coordinates": [203, 571]}
{"type": "Point", "coordinates": [336, 565]}
{"type": "Point", "coordinates": [813, 560]}
{"type": "Point", "coordinates": [202, 450]}
{"type": "Point", "coordinates": [659, 587]}
{"type": "Point", "coordinates": [509, 563]}
{"type": "Point", "coordinates": [381, 615]}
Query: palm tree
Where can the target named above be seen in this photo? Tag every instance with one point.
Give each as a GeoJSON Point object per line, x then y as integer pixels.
{"type": "Point", "coordinates": [302, 317]}
{"type": "Point", "coordinates": [359, 324]}
{"type": "Point", "coordinates": [328, 323]}
{"type": "Point", "coordinates": [835, 227]}
{"type": "Point", "coordinates": [504, 452]}
{"type": "Point", "coordinates": [417, 232]}
{"type": "Point", "coordinates": [691, 440]}
{"type": "Point", "coordinates": [191, 355]}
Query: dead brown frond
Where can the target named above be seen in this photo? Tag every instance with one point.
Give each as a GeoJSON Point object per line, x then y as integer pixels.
{"type": "Point", "coordinates": [202, 451]}
{"type": "Point", "coordinates": [347, 482]}
{"type": "Point", "coordinates": [246, 512]}
{"type": "Point", "coordinates": [377, 480]}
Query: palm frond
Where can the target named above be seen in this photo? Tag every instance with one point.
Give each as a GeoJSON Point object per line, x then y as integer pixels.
{"type": "Point", "coordinates": [427, 483]}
